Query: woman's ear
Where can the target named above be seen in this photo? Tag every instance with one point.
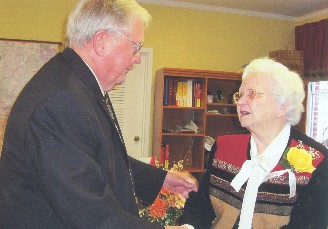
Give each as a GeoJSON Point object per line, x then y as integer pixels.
{"type": "Point", "coordinates": [283, 110]}
{"type": "Point", "coordinates": [101, 42]}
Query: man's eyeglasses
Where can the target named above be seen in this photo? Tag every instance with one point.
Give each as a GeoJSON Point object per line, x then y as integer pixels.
{"type": "Point", "coordinates": [138, 46]}
{"type": "Point", "coordinates": [249, 93]}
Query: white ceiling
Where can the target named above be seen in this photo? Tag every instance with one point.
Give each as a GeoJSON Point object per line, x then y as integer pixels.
{"type": "Point", "coordinates": [279, 8]}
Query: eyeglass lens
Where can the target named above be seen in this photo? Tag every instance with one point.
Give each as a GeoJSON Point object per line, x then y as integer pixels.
{"type": "Point", "coordinates": [250, 93]}
{"type": "Point", "coordinates": [138, 46]}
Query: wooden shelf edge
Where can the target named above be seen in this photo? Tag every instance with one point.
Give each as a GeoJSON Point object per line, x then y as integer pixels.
{"type": "Point", "coordinates": [190, 108]}
{"type": "Point", "coordinates": [221, 115]}
{"type": "Point", "coordinates": [221, 104]}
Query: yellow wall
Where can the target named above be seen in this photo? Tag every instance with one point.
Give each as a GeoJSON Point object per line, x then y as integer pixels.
{"type": "Point", "coordinates": [210, 40]}
{"type": "Point", "coordinates": [179, 37]}
{"type": "Point", "coordinates": [34, 19]}
{"type": "Point", "coordinates": [183, 38]}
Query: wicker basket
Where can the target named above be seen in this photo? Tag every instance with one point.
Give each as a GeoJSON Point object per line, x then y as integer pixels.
{"type": "Point", "coordinates": [291, 58]}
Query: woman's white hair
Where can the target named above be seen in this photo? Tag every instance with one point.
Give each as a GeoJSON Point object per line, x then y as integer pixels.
{"type": "Point", "coordinates": [289, 85]}
{"type": "Point", "coordinates": [90, 16]}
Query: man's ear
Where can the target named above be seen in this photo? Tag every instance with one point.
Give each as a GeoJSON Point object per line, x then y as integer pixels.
{"type": "Point", "coordinates": [100, 42]}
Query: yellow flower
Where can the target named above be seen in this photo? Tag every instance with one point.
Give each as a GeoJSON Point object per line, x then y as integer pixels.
{"type": "Point", "coordinates": [300, 159]}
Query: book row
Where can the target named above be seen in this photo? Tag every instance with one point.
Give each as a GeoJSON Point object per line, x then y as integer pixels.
{"type": "Point", "coordinates": [182, 93]}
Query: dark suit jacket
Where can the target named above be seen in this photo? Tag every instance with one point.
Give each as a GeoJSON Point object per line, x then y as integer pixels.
{"type": "Point", "coordinates": [63, 164]}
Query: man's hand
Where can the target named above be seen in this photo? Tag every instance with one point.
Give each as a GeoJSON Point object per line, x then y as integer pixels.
{"type": "Point", "coordinates": [180, 182]}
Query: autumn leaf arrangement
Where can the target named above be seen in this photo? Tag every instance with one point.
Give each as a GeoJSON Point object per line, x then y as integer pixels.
{"type": "Point", "coordinates": [167, 207]}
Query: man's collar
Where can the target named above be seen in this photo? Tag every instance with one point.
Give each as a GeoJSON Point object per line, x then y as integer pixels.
{"type": "Point", "coordinates": [94, 74]}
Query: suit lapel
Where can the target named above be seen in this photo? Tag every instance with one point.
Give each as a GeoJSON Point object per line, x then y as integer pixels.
{"type": "Point", "coordinates": [83, 72]}
{"type": "Point", "coordinates": [86, 76]}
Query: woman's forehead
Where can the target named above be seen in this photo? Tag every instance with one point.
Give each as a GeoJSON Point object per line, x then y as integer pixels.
{"type": "Point", "coordinates": [258, 80]}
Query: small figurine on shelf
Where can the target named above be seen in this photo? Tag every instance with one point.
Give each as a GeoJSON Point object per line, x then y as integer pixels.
{"type": "Point", "coordinates": [219, 98]}
{"type": "Point", "coordinates": [210, 95]}
{"type": "Point", "coordinates": [215, 95]}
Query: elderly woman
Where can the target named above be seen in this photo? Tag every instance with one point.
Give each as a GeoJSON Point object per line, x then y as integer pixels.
{"type": "Point", "coordinates": [273, 176]}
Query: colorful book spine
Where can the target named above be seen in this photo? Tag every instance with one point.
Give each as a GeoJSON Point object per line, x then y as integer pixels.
{"type": "Point", "coordinates": [194, 94]}
{"type": "Point", "coordinates": [198, 95]}
{"type": "Point", "coordinates": [167, 157]}
{"type": "Point", "coordinates": [189, 93]}
{"type": "Point", "coordinates": [166, 92]}
{"type": "Point", "coordinates": [184, 93]}
{"type": "Point", "coordinates": [162, 155]}
{"type": "Point", "coordinates": [175, 90]}
{"type": "Point", "coordinates": [170, 100]}
{"type": "Point", "coordinates": [179, 94]}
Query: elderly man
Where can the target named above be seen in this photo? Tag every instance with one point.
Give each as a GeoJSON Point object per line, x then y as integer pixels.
{"type": "Point", "coordinates": [64, 163]}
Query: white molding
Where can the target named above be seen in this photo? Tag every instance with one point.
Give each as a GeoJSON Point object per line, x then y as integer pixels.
{"type": "Point", "coordinates": [313, 15]}
{"type": "Point", "coordinates": [146, 146]}
{"type": "Point", "coordinates": [230, 10]}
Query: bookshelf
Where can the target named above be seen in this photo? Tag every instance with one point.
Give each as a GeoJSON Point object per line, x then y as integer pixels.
{"type": "Point", "coordinates": [173, 112]}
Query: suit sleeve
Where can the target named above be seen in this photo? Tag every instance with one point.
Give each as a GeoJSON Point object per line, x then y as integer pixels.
{"type": "Point", "coordinates": [148, 180]}
{"type": "Point", "coordinates": [63, 142]}
{"type": "Point", "coordinates": [198, 210]}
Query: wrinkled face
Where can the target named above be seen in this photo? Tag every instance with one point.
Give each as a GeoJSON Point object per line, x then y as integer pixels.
{"type": "Point", "coordinates": [119, 55]}
{"type": "Point", "coordinates": [259, 111]}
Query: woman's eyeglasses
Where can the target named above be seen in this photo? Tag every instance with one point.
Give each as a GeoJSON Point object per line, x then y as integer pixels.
{"type": "Point", "coordinates": [249, 93]}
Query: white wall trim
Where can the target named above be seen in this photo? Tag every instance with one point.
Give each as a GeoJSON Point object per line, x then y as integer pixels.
{"type": "Point", "coordinates": [146, 144]}
{"type": "Point", "coordinates": [313, 15]}
{"type": "Point", "coordinates": [230, 10]}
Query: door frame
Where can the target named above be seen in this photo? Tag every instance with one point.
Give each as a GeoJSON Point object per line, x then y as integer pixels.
{"type": "Point", "coordinates": [147, 97]}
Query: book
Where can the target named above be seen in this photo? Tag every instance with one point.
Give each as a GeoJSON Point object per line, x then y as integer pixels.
{"type": "Point", "coordinates": [189, 93]}
{"type": "Point", "coordinates": [170, 89]}
{"type": "Point", "coordinates": [174, 93]}
{"type": "Point", "coordinates": [184, 93]}
{"type": "Point", "coordinates": [167, 156]}
{"type": "Point", "coordinates": [162, 155]}
{"type": "Point", "coordinates": [194, 94]}
{"type": "Point", "coordinates": [198, 95]}
{"type": "Point", "coordinates": [153, 161]}
{"type": "Point", "coordinates": [166, 92]}
{"type": "Point", "coordinates": [179, 94]}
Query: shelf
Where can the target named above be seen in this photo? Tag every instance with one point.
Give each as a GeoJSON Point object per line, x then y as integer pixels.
{"type": "Point", "coordinates": [222, 115]}
{"type": "Point", "coordinates": [221, 104]}
{"type": "Point", "coordinates": [186, 108]}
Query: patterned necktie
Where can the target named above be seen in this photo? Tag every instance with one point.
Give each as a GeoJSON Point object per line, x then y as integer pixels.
{"type": "Point", "coordinates": [112, 116]}
{"type": "Point", "coordinates": [109, 107]}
